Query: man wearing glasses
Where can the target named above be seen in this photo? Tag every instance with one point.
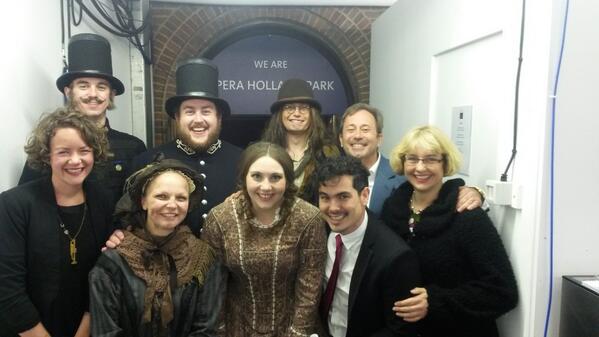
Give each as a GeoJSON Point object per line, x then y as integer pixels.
{"type": "Point", "coordinates": [297, 126]}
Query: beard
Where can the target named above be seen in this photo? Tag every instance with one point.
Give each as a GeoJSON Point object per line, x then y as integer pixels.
{"type": "Point", "coordinates": [186, 138]}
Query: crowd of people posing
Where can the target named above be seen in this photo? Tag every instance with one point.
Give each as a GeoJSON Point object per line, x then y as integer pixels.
{"type": "Point", "coordinates": [293, 236]}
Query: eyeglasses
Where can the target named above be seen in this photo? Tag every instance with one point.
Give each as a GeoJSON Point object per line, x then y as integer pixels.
{"type": "Point", "coordinates": [410, 160]}
{"type": "Point", "coordinates": [290, 108]}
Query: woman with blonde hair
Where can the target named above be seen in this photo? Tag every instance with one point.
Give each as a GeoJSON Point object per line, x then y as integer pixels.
{"type": "Point", "coordinates": [52, 229]}
{"type": "Point", "coordinates": [272, 244]}
{"type": "Point", "coordinates": [465, 269]}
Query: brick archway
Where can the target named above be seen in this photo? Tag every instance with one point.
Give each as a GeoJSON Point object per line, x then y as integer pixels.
{"type": "Point", "coordinates": [182, 31]}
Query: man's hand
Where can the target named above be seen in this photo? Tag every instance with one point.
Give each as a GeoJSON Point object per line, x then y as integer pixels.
{"type": "Point", "coordinates": [414, 308]}
{"type": "Point", "coordinates": [468, 199]}
{"type": "Point", "coordinates": [115, 239]}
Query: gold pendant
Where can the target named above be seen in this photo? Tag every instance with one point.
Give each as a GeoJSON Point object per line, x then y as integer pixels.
{"type": "Point", "coordinates": [73, 250]}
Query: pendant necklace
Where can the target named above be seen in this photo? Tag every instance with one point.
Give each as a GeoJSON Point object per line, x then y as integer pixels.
{"type": "Point", "coordinates": [73, 239]}
{"type": "Point", "coordinates": [414, 216]}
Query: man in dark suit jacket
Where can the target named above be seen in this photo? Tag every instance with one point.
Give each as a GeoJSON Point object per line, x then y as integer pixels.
{"type": "Point", "coordinates": [368, 267]}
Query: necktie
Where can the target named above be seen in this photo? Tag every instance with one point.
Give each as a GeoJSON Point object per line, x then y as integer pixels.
{"type": "Point", "coordinates": [327, 299]}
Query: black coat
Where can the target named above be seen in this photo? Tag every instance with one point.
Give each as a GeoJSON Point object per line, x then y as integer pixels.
{"type": "Point", "coordinates": [117, 301]}
{"type": "Point", "coordinates": [385, 271]}
{"type": "Point", "coordinates": [219, 169]}
{"type": "Point", "coordinates": [29, 250]}
{"type": "Point", "coordinates": [465, 268]}
{"type": "Point", "coordinates": [111, 174]}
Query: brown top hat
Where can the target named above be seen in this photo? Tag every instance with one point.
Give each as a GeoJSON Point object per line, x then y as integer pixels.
{"type": "Point", "coordinates": [196, 78]}
{"type": "Point", "coordinates": [294, 90]}
{"type": "Point", "coordinates": [89, 56]}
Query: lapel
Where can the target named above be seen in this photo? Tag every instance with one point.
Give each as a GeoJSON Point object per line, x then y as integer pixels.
{"type": "Point", "coordinates": [48, 224]}
{"type": "Point", "coordinates": [362, 262]}
{"type": "Point", "coordinates": [383, 183]}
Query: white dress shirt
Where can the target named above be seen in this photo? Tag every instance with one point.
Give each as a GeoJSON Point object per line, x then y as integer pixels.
{"type": "Point", "coordinates": [372, 176]}
{"type": "Point", "coordinates": [352, 243]}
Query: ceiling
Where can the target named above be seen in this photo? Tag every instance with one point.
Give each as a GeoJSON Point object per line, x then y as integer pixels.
{"type": "Point", "coordinates": [288, 2]}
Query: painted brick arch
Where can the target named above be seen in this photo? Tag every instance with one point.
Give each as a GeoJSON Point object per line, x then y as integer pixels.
{"type": "Point", "coordinates": [183, 30]}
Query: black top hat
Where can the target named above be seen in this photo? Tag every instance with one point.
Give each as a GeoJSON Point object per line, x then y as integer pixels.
{"type": "Point", "coordinates": [196, 78]}
{"type": "Point", "coordinates": [89, 56]}
{"type": "Point", "coordinates": [294, 90]}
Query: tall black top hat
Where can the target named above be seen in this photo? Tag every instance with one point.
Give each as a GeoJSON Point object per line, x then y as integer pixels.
{"type": "Point", "coordinates": [197, 78]}
{"type": "Point", "coordinates": [89, 56]}
{"type": "Point", "coordinates": [294, 90]}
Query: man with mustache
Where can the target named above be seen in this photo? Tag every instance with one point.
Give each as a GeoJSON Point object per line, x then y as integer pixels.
{"type": "Point", "coordinates": [198, 113]}
{"type": "Point", "coordinates": [90, 88]}
{"type": "Point", "coordinates": [368, 266]}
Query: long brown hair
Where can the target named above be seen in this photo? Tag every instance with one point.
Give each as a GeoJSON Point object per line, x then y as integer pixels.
{"type": "Point", "coordinates": [276, 133]}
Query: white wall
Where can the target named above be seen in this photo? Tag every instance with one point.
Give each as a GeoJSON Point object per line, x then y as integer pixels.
{"type": "Point", "coordinates": [429, 56]}
{"type": "Point", "coordinates": [30, 63]}
{"type": "Point", "coordinates": [577, 150]}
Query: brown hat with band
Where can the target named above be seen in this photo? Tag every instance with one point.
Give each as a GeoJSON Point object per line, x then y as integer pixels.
{"type": "Point", "coordinates": [294, 90]}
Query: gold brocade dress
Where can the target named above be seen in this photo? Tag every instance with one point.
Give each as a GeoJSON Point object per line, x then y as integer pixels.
{"type": "Point", "coordinates": [274, 273]}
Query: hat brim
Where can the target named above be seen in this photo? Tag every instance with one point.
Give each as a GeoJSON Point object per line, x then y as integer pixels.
{"type": "Point", "coordinates": [131, 200]}
{"type": "Point", "coordinates": [65, 80]}
{"type": "Point", "coordinates": [274, 108]}
{"type": "Point", "coordinates": [172, 104]}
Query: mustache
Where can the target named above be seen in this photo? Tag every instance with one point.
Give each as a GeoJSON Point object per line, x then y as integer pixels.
{"type": "Point", "coordinates": [92, 98]}
{"type": "Point", "coordinates": [199, 124]}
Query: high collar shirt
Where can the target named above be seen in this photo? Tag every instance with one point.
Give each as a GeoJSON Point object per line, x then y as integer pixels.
{"type": "Point", "coordinates": [352, 242]}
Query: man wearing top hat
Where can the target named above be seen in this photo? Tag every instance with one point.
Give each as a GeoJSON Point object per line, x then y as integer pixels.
{"type": "Point", "coordinates": [297, 126]}
{"type": "Point", "coordinates": [90, 88]}
{"type": "Point", "coordinates": [198, 113]}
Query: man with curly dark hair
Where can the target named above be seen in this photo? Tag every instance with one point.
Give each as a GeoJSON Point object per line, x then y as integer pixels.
{"type": "Point", "coordinates": [368, 267]}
